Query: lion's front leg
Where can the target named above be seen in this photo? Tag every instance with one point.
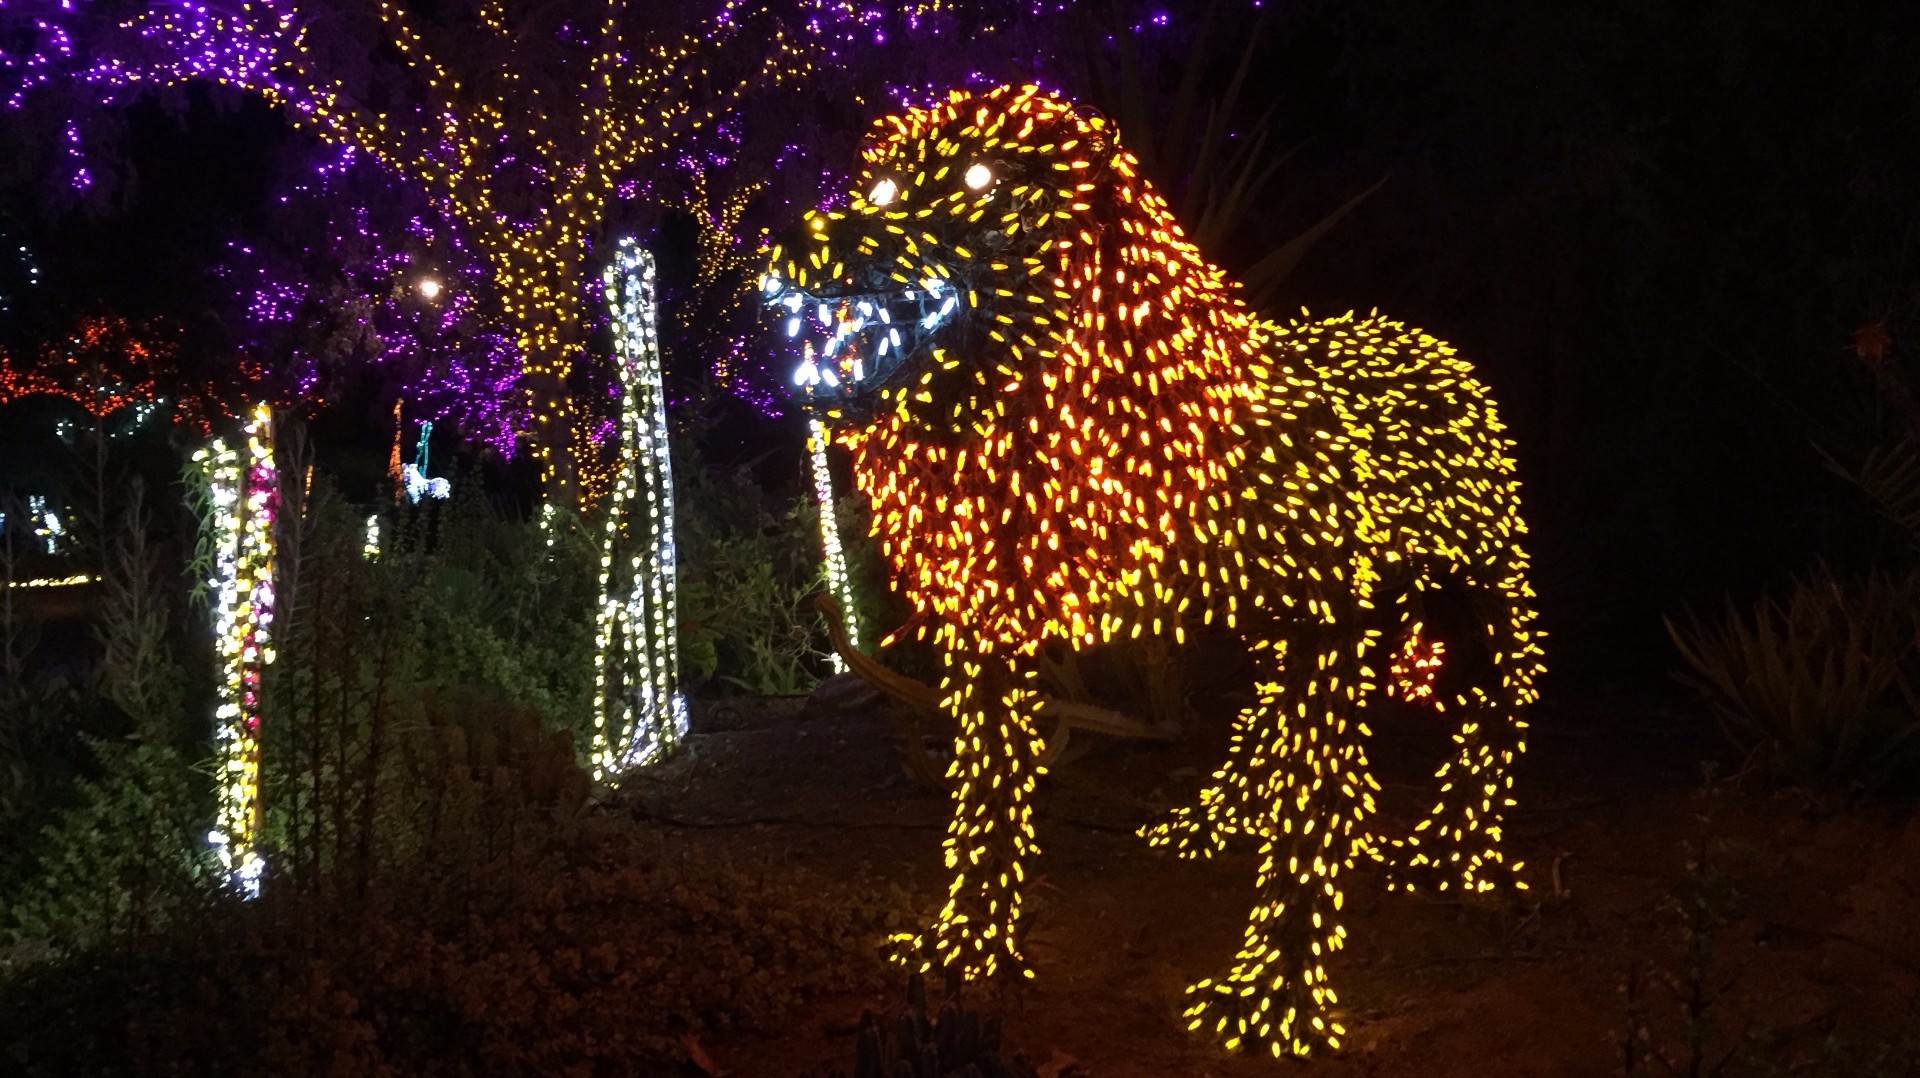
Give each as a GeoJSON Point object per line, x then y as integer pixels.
{"type": "Point", "coordinates": [989, 844]}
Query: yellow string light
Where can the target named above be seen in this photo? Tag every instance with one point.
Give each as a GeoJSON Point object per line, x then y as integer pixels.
{"type": "Point", "coordinates": [496, 116]}
{"type": "Point", "coordinates": [1105, 444]}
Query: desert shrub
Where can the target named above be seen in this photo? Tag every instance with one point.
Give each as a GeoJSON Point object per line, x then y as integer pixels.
{"type": "Point", "coordinates": [602, 966]}
{"type": "Point", "coordinates": [419, 732]}
{"type": "Point", "coordinates": [1821, 684]}
{"type": "Point", "coordinates": [750, 565]}
{"type": "Point", "coordinates": [503, 608]}
{"type": "Point", "coordinates": [124, 860]}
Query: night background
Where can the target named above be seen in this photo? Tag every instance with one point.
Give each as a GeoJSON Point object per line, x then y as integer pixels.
{"type": "Point", "coordinates": [1677, 243]}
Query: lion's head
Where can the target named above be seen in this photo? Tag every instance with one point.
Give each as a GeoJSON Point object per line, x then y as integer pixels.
{"type": "Point", "coordinates": [1035, 368]}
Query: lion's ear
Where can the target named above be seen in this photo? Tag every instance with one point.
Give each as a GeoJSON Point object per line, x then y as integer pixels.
{"type": "Point", "coordinates": [1102, 134]}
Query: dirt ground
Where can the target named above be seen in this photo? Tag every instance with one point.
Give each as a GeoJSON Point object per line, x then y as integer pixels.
{"type": "Point", "coordinates": [1807, 961]}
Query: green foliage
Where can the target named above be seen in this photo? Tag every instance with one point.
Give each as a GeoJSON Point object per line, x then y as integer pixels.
{"type": "Point", "coordinates": [429, 703]}
{"type": "Point", "coordinates": [591, 960]}
{"type": "Point", "coordinates": [1822, 684]}
{"type": "Point", "coordinates": [126, 859]}
{"type": "Point", "coordinates": [501, 608]}
{"type": "Point", "coordinates": [956, 1044]}
{"type": "Point", "coordinates": [1889, 476]}
{"type": "Point", "coordinates": [749, 567]}
{"type": "Point", "coordinates": [138, 670]}
{"type": "Point", "coordinates": [440, 895]}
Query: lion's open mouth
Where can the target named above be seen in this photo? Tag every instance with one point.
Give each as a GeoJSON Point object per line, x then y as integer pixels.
{"type": "Point", "coordinates": [851, 344]}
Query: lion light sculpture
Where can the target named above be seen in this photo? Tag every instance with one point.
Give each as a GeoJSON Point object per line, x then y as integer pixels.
{"type": "Point", "coordinates": [1071, 430]}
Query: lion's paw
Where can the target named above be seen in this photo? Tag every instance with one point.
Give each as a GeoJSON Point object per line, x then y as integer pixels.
{"type": "Point", "coordinates": [1193, 832]}
{"type": "Point", "coordinates": [957, 950]}
{"type": "Point", "coordinates": [1281, 1020]}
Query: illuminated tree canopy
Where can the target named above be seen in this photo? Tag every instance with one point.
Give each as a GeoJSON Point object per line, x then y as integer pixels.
{"type": "Point", "coordinates": [524, 125]}
{"type": "Point", "coordinates": [353, 281]}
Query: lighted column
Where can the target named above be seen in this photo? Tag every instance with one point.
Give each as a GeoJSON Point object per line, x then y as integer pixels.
{"type": "Point", "coordinates": [245, 494]}
{"type": "Point", "coordinates": [839, 583]}
{"type": "Point", "coordinates": [639, 713]}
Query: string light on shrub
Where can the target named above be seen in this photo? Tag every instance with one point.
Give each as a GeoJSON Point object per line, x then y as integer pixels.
{"type": "Point", "coordinates": [639, 713]}
{"type": "Point", "coordinates": [370, 545]}
{"type": "Point", "coordinates": [110, 366]}
{"type": "Point", "coordinates": [244, 493]}
{"type": "Point", "coordinates": [549, 522]}
{"type": "Point", "coordinates": [1071, 431]}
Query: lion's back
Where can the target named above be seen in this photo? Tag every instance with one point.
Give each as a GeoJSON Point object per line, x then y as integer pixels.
{"type": "Point", "coordinates": [1420, 437]}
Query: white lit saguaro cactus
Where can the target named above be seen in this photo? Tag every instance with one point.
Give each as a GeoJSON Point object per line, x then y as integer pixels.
{"type": "Point", "coordinates": [639, 713]}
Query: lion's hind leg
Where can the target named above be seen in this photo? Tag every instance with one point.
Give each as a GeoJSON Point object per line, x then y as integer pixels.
{"type": "Point", "coordinates": [1458, 843]}
{"type": "Point", "coordinates": [1310, 789]}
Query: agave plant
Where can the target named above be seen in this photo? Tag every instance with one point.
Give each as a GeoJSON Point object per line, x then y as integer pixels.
{"type": "Point", "coordinates": [1822, 682]}
{"type": "Point", "coordinates": [1187, 145]}
{"type": "Point", "coordinates": [1889, 476]}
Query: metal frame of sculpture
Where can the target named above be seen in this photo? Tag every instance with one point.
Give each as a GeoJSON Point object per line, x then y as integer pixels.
{"type": "Point", "coordinates": [1072, 431]}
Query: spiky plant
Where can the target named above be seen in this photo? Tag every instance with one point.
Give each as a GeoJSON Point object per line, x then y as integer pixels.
{"type": "Point", "coordinates": [1821, 684]}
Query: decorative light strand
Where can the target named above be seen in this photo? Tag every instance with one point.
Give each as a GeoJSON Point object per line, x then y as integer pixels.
{"type": "Point", "coordinates": [839, 581]}
{"type": "Point", "coordinates": [75, 580]}
{"type": "Point", "coordinates": [639, 713]}
{"type": "Point", "coordinates": [245, 492]}
{"type": "Point", "coordinates": [1072, 431]}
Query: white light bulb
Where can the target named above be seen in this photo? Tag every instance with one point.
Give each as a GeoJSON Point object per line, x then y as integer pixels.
{"type": "Point", "coordinates": [429, 287]}
{"type": "Point", "coordinates": [978, 176]}
{"type": "Point", "coordinates": [883, 192]}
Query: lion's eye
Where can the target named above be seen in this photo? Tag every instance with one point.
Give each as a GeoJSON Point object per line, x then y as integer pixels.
{"type": "Point", "coordinates": [978, 175]}
{"type": "Point", "coordinates": [883, 192]}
